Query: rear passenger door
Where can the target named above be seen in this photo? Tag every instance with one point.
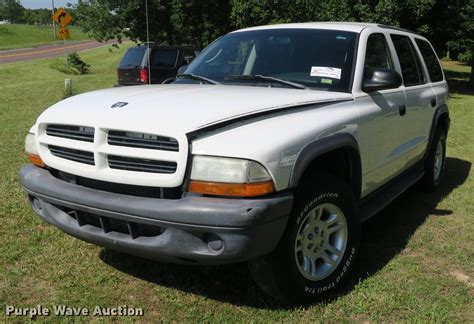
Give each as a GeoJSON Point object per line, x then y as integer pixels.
{"type": "Point", "coordinates": [420, 97]}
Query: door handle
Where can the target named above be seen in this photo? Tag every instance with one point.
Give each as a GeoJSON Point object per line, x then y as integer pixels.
{"type": "Point", "coordinates": [433, 102]}
{"type": "Point", "coordinates": [402, 110]}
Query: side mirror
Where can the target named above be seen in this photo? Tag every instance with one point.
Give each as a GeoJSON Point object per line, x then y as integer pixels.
{"type": "Point", "coordinates": [182, 69]}
{"type": "Point", "coordinates": [382, 79]}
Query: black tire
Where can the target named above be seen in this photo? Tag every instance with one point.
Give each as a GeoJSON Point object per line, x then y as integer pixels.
{"type": "Point", "coordinates": [431, 180]}
{"type": "Point", "coordinates": [278, 273]}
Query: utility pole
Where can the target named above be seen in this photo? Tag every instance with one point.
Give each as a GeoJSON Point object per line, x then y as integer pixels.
{"type": "Point", "coordinates": [54, 24]}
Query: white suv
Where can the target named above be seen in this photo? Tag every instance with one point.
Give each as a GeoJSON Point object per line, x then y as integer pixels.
{"type": "Point", "coordinates": [272, 147]}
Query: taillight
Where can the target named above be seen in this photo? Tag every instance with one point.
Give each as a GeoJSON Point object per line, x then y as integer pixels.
{"type": "Point", "coordinates": [143, 76]}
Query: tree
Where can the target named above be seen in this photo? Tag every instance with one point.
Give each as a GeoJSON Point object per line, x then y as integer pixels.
{"type": "Point", "coordinates": [463, 40]}
{"type": "Point", "coordinates": [170, 21]}
{"type": "Point", "coordinates": [250, 13]}
{"type": "Point", "coordinates": [448, 24]}
{"type": "Point", "coordinates": [11, 10]}
{"type": "Point", "coordinates": [199, 22]}
{"type": "Point", "coordinates": [37, 16]}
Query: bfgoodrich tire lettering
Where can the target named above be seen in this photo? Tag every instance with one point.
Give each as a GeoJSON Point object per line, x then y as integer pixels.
{"type": "Point", "coordinates": [279, 273]}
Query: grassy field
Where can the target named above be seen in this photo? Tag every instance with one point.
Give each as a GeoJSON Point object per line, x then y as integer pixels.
{"type": "Point", "coordinates": [416, 261]}
{"type": "Point", "coordinates": [19, 36]}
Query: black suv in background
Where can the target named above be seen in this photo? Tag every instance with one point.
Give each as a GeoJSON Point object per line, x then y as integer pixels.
{"type": "Point", "coordinates": [165, 62]}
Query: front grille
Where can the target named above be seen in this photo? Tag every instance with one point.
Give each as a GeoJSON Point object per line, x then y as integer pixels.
{"type": "Point", "coordinates": [79, 133]}
{"type": "Point", "coordinates": [141, 165]}
{"type": "Point", "coordinates": [72, 154]}
{"type": "Point", "coordinates": [110, 224]}
{"type": "Point", "coordinates": [142, 140]}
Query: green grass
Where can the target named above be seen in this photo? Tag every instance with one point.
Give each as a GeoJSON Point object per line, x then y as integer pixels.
{"type": "Point", "coordinates": [20, 36]}
{"type": "Point", "coordinates": [416, 261]}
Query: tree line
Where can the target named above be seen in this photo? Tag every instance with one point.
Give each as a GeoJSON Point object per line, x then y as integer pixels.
{"type": "Point", "coordinates": [448, 24]}
{"type": "Point", "coordinates": [14, 12]}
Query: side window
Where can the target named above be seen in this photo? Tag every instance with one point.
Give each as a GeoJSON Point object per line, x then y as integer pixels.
{"type": "Point", "coordinates": [431, 60]}
{"type": "Point", "coordinates": [377, 55]}
{"type": "Point", "coordinates": [163, 57]}
{"type": "Point", "coordinates": [409, 60]}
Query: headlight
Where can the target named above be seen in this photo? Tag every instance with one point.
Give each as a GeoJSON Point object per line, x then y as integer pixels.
{"type": "Point", "coordinates": [30, 144]}
{"type": "Point", "coordinates": [229, 177]}
{"type": "Point", "coordinates": [32, 150]}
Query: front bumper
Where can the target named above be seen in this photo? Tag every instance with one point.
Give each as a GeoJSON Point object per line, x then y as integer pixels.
{"type": "Point", "coordinates": [190, 230]}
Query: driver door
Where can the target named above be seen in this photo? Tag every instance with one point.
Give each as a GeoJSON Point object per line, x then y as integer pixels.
{"type": "Point", "coordinates": [381, 114]}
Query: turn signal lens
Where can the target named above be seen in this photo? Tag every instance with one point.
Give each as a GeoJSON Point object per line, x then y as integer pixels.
{"type": "Point", "coordinates": [36, 160]}
{"type": "Point", "coordinates": [31, 151]}
{"type": "Point", "coordinates": [232, 189]}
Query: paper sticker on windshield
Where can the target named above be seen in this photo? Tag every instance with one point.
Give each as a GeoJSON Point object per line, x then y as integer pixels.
{"type": "Point", "coordinates": [326, 72]}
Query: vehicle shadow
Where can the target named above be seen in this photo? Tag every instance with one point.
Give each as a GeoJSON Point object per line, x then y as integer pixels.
{"type": "Point", "coordinates": [459, 82]}
{"type": "Point", "coordinates": [383, 237]}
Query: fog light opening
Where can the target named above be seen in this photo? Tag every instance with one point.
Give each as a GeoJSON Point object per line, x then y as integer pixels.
{"type": "Point", "coordinates": [36, 204]}
{"type": "Point", "coordinates": [214, 242]}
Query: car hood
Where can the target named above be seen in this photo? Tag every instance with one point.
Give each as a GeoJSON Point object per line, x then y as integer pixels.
{"type": "Point", "coordinates": [177, 107]}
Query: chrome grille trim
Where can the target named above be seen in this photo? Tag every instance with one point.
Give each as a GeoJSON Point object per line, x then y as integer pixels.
{"type": "Point", "coordinates": [72, 154]}
{"type": "Point", "coordinates": [78, 133]}
{"type": "Point", "coordinates": [142, 140]}
{"type": "Point", "coordinates": [134, 165]}
{"type": "Point", "coordinates": [141, 165]}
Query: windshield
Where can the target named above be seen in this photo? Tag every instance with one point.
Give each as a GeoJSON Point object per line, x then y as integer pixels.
{"type": "Point", "coordinates": [315, 58]}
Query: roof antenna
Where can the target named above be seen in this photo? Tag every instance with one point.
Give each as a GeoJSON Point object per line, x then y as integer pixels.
{"type": "Point", "coordinates": [148, 42]}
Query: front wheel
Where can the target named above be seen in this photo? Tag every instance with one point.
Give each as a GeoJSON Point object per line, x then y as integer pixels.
{"type": "Point", "coordinates": [318, 248]}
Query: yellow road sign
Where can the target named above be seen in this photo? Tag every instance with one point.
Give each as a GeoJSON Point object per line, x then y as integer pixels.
{"type": "Point", "coordinates": [63, 33]}
{"type": "Point", "coordinates": [62, 17]}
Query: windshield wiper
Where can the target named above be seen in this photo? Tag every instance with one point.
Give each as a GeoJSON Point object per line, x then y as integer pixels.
{"type": "Point", "coordinates": [264, 78]}
{"type": "Point", "coordinates": [193, 76]}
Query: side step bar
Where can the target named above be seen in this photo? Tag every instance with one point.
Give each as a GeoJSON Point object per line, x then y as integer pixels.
{"type": "Point", "coordinates": [379, 199]}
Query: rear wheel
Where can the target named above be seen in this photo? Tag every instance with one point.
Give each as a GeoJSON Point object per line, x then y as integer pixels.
{"type": "Point", "coordinates": [435, 161]}
{"type": "Point", "coordinates": [318, 248]}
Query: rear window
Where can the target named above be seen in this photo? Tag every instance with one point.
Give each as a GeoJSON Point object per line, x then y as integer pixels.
{"type": "Point", "coordinates": [431, 60]}
{"type": "Point", "coordinates": [164, 57]}
{"type": "Point", "coordinates": [133, 57]}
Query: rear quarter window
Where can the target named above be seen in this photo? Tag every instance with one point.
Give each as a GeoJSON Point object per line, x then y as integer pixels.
{"type": "Point", "coordinates": [133, 57]}
{"type": "Point", "coordinates": [431, 60]}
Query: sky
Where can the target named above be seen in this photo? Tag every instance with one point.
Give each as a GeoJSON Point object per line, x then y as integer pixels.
{"type": "Point", "coordinates": [36, 4]}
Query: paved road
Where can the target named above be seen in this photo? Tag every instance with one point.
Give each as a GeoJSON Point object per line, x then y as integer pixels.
{"type": "Point", "coordinates": [25, 54]}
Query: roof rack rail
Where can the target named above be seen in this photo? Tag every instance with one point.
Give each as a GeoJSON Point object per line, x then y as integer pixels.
{"type": "Point", "coordinates": [145, 43]}
{"type": "Point", "coordinates": [396, 28]}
